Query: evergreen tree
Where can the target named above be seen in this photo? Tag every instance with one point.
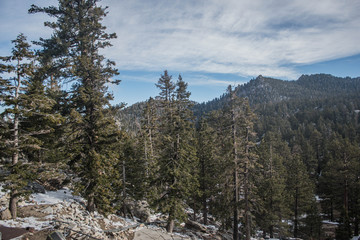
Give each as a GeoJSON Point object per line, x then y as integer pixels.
{"type": "Point", "coordinates": [78, 37]}
{"type": "Point", "coordinates": [222, 203]}
{"type": "Point", "coordinates": [234, 124]}
{"type": "Point", "coordinates": [149, 136]}
{"type": "Point", "coordinates": [208, 167]}
{"type": "Point", "coordinates": [177, 155]}
{"type": "Point", "coordinates": [300, 189]}
{"type": "Point", "coordinates": [244, 160]}
{"type": "Point", "coordinates": [29, 115]}
{"type": "Point", "coordinates": [273, 152]}
{"type": "Point", "coordinates": [339, 182]}
{"type": "Point", "coordinates": [21, 65]}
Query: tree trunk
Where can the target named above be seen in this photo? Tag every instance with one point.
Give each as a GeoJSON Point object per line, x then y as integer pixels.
{"type": "Point", "coordinates": [296, 213]}
{"type": "Point", "coordinates": [246, 189]}
{"type": "Point", "coordinates": [271, 231]}
{"type": "Point", "coordinates": [236, 211]}
{"type": "Point", "coordinates": [13, 204]}
{"type": "Point", "coordinates": [236, 182]}
{"type": "Point", "coordinates": [124, 189]}
{"type": "Point", "coordinates": [346, 187]}
{"type": "Point", "coordinates": [205, 212]}
{"type": "Point", "coordinates": [170, 225]}
{"type": "Point", "coordinates": [356, 226]}
{"type": "Point", "coordinates": [203, 188]}
{"type": "Point", "coordinates": [91, 204]}
{"type": "Point", "coordinates": [271, 228]}
{"type": "Point", "coordinates": [331, 210]}
{"type": "Point", "coordinates": [15, 157]}
{"type": "Point", "coordinates": [195, 211]}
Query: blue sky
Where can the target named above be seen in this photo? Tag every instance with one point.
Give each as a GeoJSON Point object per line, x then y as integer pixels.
{"type": "Point", "coordinates": [212, 43]}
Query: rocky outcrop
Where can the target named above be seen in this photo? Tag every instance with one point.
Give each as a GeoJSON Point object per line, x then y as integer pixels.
{"type": "Point", "coordinates": [77, 223]}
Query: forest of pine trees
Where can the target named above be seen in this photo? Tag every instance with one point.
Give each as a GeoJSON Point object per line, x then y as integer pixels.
{"type": "Point", "coordinates": [258, 163]}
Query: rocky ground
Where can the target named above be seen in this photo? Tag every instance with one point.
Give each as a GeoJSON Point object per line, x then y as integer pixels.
{"type": "Point", "coordinates": [60, 211]}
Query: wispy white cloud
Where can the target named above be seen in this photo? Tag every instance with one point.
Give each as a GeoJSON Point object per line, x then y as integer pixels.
{"type": "Point", "coordinates": [240, 37]}
{"type": "Point", "coordinates": [246, 38]}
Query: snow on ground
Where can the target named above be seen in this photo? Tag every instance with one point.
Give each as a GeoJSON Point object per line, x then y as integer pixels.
{"type": "Point", "coordinates": [54, 197]}
{"type": "Point", "coordinates": [329, 222]}
{"type": "Point", "coordinates": [62, 207]}
{"type": "Point", "coordinates": [27, 222]}
{"type": "Point", "coordinates": [57, 198]}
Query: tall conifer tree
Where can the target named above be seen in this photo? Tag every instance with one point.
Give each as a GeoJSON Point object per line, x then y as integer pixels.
{"type": "Point", "coordinates": [273, 152]}
{"type": "Point", "coordinates": [234, 124]}
{"type": "Point", "coordinates": [209, 166]}
{"type": "Point", "coordinates": [29, 115]}
{"type": "Point", "coordinates": [300, 189]}
{"type": "Point", "coordinates": [78, 36]}
{"type": "Point", "coordinates": [177, 156]}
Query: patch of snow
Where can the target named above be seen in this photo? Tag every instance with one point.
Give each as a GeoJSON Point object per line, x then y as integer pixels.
{"type": "Point", "coordinates": [27, 222]}
{"type": "Point", "coordinates": [54, 197]}
{"type": "Point", "coordinates": [130, 221]}
{"type": "Point", "coordinates": [329, 222]}
{"type": "Point", "coordinates": [212, 227]}
{"type": "Point", "coordinates": [154, 217]}
{"type": "Point", "coordinates": [189, 210]}
{"type": "Point", "coordinates": [181, 235]}
{"type": "Point", "coordinates": [2, 191]}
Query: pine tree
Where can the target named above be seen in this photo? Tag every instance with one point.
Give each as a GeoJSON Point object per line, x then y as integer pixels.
{"type": "Point", "coordinates": [209, 167]}
{"type": "Point", "coordinates": [177, 154]}
{"type": "Point", "coordinates": [29, 110]}
{"type": "Point", "coordinates": [20, 65]}
{"type": "Point", "coordinates": [22, 69]}
{"type": "Point", "coordinates": [234, 127]}
{"type": "Point", "coordinates": [339, 182]}
{"type": "Point", "coordinates": [222, 201]}
{"type": "Point", "coordinates": [271, 184]}
{"type": "Point", "coordinates": [149, 136]}
{"type": "Point", "coordinates": [300, 189]}
{"type": "Point", "coordinates": [49, 74]}
{"type": "Point", "coordinates": [78, 37]}
{"type": "Point", "coordinates": [244, 161]}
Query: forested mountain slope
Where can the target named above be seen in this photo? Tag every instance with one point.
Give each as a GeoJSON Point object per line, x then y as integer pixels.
{"type": "Point", "coordinates": [263, 93]}
{"type": "Point", "coordinates": [307, 153]}
{"type": "Point", "coordinates": [263, 90]}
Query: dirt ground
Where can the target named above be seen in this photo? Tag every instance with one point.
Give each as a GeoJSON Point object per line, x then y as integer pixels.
{"type": "Point", "coordinates": [152, 234]}
{"type": "Point", "coordinates": [9, 233]}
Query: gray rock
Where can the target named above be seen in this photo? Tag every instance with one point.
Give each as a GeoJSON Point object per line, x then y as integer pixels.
{"type": "Point", "coordinates": [48, 210]}
{"type": "Point", "coordinates": [5, 215]}
{"type": "Point", "coordinates": [36, 187]}
{"type": "Point", "coordinates": [195, 225]}
{"type": "Point", "coordinates": [141, 210]}
{"type": "Point", "coordinates": [55, 236]}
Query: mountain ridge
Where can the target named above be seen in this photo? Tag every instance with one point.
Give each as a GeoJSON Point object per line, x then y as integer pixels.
{"type": "Point", "coordinates": [262, 91]}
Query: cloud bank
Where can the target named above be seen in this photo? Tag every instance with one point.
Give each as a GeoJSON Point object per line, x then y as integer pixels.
{"type": "Point", "coordinates": [245, 38]}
